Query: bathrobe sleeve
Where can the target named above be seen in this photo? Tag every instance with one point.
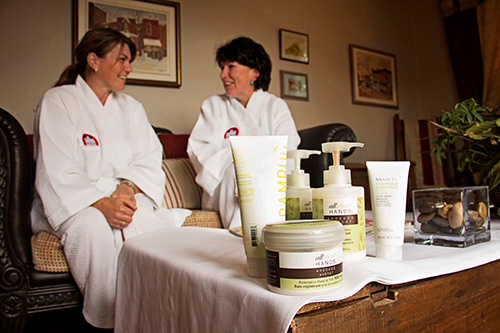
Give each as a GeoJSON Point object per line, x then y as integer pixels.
{"type": "Point", "coordinates": [211, 156]}
{"type": "Point", "coordinates": [145, 170]}
{"type": "Point", "coordinates": [62, 185]}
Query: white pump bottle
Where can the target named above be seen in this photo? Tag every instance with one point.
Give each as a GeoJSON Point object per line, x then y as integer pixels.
{"type": "Point", "coordinates": [339, 200]}
{"type": "Point", "coordinates": [298, 191]}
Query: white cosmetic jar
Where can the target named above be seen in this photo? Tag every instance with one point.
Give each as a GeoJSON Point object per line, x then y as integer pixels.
{"type": "Point", "coordinates": [304, 257]}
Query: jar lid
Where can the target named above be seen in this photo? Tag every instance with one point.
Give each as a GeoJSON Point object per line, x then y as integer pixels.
{"type": "Point", "coordinates": [302, 234]}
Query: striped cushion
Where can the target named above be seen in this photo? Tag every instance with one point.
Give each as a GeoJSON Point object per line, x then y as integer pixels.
{"type": "Point", "coordinates": [181, 190]}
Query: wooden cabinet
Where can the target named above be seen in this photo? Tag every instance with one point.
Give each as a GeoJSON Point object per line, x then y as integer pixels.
{"type": "Point", "coordinates": [466, 301]}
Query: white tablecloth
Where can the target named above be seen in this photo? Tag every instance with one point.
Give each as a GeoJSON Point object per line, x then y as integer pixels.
{"type": "Point", "coordinates": [194, 280]}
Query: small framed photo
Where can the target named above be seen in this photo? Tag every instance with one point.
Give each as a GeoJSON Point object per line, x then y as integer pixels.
{"type": "Point", "coordinates": [373, 76]}
{"type": "Point", "coordinates": [294, 46]}
{"type": "Point", "coordinates": [294, 86]}
{"type": "Point", "coordinates": [153, 26]}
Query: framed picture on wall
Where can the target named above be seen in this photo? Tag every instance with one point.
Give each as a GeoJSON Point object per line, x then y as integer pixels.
{"type": "Point", "coordinates": [153, 26]}
{"type": "Point", "coordinates": [294, 86]}
{"type": "Point", "coordinates": [373, 76]}
{"type": "Point", "coordinates": [294, 46]}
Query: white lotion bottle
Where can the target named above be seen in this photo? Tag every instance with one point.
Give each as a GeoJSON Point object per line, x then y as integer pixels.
{"type": "Point", "coordinates": [339, 200]}
{"type": "Point", "coordinates": [298, 191]}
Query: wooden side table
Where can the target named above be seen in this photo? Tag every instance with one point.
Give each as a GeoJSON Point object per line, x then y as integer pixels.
{"type": "Point", "coordinates": [464, 301]}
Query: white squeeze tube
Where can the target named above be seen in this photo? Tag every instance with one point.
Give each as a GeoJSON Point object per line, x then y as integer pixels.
{"type": "Point", "coordinates": [260, 165]}
{"type": "Point", "coordinates": [388, 186]}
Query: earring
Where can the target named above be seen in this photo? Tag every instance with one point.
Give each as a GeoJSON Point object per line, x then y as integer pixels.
{"type": "Point", "coordinates": [251, 82]}
{"type": "Point", "coordinates": [95, 69]}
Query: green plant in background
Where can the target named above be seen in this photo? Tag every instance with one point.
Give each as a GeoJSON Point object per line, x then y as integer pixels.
{"type": "Point", "coordinates": [475, 130]}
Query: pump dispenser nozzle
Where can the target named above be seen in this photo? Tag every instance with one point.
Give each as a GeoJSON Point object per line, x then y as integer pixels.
{"type": "Point", "coordinates": [336, 173]}
{"type": "Point", "coordinates": [298, 177]}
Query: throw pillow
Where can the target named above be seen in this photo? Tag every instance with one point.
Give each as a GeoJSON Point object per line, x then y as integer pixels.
{"type": "Point", "coordinates": [181, 190]}
{"type": "Point", "coordinates": [174, 145]}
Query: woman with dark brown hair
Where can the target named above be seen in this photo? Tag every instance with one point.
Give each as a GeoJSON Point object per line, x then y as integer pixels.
{"type": "Point", "coordinates": [98, 168]}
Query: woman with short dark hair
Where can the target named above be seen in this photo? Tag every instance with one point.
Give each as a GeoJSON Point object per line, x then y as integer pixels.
{"type": "Point", "coordinates": [246, 52]}
{"type": "Point", "coordinates": [246, 108]}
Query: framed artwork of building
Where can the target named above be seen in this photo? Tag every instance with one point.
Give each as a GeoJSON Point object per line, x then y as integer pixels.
{"type": "Point", "coordinates": [373, 76]}
{"type": "Point", "coordinates": [152, 25]}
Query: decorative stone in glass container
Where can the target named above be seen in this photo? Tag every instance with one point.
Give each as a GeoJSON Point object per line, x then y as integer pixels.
{"type": "Point", "coordinates": [453, 216]}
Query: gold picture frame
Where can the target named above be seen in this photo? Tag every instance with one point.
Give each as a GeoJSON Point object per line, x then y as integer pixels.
{"type": "Point", "coordinates": [294, 46]}
{"type": "Point", "coordinates": [294, 86]}
{"type": "Point", "coordinates": [154, 26]}
{"type": "Point", "coordinates": [373, 76]}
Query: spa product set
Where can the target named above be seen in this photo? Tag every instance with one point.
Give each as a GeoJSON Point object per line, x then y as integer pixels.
{"type": "Point", "coordinates": [389, 184]}
{"type": "Point", "coordinates": [338, 200]}
{"type": "Point", "coordinates": [304, 255]}
{"type": "Point", "coordinates": [298, 191]}
{"type": "Point", "coordinates": [260, 165]}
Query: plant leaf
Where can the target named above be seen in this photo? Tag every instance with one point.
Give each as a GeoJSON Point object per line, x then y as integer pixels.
{"type": "Point", "coordinates": [490, 173]}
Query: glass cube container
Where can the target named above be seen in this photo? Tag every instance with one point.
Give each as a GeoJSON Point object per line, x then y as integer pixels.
{"type": "Point", "coordinates": [453, 216]}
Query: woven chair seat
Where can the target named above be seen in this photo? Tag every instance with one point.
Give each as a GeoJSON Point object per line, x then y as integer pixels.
{"type": "Point", "coordinates": [48, 253]}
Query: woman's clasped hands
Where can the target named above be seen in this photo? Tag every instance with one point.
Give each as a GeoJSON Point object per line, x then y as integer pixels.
{"type": "Point", "coordinates": [119, 208]}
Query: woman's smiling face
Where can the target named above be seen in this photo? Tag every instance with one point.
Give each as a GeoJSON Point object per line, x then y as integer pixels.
{"type": "Point", "coordinates": [115, 67]}
{"type": "Point", "coordinates": [237, 79]}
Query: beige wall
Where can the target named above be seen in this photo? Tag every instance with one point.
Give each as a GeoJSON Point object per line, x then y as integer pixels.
{"type": "Point", "coordinates": [36, 46]}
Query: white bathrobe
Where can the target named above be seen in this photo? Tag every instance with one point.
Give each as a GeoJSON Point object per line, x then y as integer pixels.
{"type": "Point", "coordinates": [209, 149]}
{"type": "Point", "coordinates": [82, 151]}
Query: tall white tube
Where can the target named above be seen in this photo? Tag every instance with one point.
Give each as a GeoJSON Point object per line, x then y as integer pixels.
{"type": "Point", "coordinates": [260, 165]}
{"type": "Point", "coordinates": [388, 189]}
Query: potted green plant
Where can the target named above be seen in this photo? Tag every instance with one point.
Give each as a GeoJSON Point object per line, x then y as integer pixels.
{"type": "Point", "coordinates": [474, 131]}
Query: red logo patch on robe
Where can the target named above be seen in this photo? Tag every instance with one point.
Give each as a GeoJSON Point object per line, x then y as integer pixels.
{"type": "Point", "coordinates": [233, 131]}
{"type": "Point", "coordinates": [89, 140]}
